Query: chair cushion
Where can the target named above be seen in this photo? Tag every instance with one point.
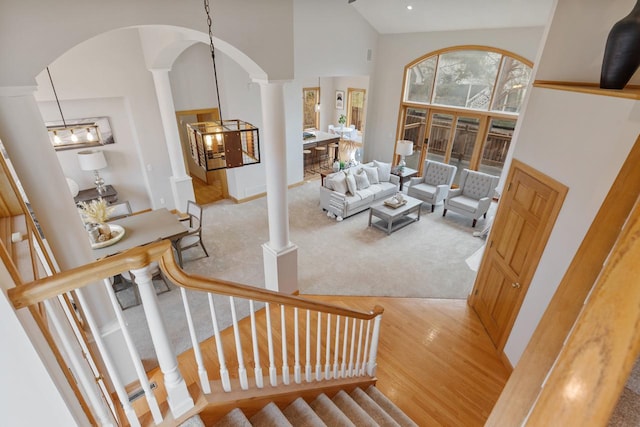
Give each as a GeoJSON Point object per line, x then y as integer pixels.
{"type": "Point", "coordinates": [372, 174]}
{"type": "Point", "coordinates": [464, 203]}
{"type": "Point", "coordinates": [422, 191]}
{"type": "Point", "coordinates": [384, 170]}
{"type": "Point", "coordinates": [362, 198]}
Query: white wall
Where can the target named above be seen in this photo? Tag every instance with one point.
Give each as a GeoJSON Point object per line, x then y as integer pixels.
{"type": "Point", "coordinates": [88, 78]}
{"type": "Point", "coordinates": [192, 83]}
{"type": "Point", "coordinates": [576, 41]}
{"type": "Point", "coordinates": [560, 137]}
{"type": "Point", "coordinates": [31, 35]}
{"type": "Point", "coordinates": [397, 50]}
{"type": "Point", "coordinates": [28, 392]}
{"type": "Point", "coordinates": [578, 139]}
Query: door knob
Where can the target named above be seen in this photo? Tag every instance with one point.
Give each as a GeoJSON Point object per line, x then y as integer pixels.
{"type": "Point", "coordinates": [515, 285]}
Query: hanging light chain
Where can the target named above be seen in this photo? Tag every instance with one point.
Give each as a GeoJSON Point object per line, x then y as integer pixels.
{"type": "Point", "coordinates": [56, 95]}
{"type": "Point", "coordinates": [213, 55]}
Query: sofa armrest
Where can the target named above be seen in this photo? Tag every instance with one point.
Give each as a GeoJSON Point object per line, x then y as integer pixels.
{"type": "Point", "coordinates": [395, 179]}
{"type": "Point", "coordinates": [332, 201]}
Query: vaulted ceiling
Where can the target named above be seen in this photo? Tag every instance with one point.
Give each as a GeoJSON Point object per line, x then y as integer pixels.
{"type": "Point", "coordinates": [394, 16]}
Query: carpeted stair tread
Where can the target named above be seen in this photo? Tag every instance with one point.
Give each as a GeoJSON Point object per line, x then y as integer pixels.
{"type": "Point", "coordinates": [235, 418]}
{"type": "Point", "coordinates": [390, 407]}
{"type": "Point", "coordinates": [270, 416]}
{"type": "Point", "coordinates": [300, 414]}
{"type": "Point", "coordinates": [329, 412]}
{"type": "Point", "coordinates": [352, 410]}
{"type": "Point", "coordinates": [370, 406]}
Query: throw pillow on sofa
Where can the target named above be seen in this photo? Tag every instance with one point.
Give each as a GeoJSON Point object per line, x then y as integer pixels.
{"type": "Point", "coordinates": [362, 181]}
{"type": "Point", "coordinates": [339, 183]}
{"type": "Point", "coordinates": [384, 170]}
{"type": "Point", "coordinates": [351, 183]}
{"type": "Point", "coordinates": [372, 174]}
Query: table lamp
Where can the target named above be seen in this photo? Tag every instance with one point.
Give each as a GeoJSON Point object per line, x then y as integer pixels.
{"type": "Point", "coordinates": [403, 148]}
{"type": "Point", "coordinates": [93, 160]}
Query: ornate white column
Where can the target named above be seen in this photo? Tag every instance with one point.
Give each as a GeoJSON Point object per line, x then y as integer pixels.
{"type": "Point", "coordinates": [178, 396]}
{"type": "Point", "coordinates": [181, 185]}
{"type": "Point", "coordinates": [280, 255]}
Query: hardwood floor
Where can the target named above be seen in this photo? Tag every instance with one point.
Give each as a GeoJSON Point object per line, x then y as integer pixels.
{"type": "Point", "coordinates": [435, 360]}
{"type": "Point", "coordinates": [206, 193]}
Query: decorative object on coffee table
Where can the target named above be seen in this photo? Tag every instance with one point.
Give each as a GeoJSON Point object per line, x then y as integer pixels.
{"type": "Point", "coordinates": [622, 51]}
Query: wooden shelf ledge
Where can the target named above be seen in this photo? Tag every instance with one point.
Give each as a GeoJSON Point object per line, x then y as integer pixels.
{"type": "Point", "coordinates": [629, 92]}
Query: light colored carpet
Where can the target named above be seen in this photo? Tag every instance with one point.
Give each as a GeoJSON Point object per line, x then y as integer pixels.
{"type": "Point", "coordinates": [425, 259]}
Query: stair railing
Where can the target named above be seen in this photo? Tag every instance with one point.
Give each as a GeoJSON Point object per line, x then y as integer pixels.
{"type": "Point", "coordinates": [349, 348]}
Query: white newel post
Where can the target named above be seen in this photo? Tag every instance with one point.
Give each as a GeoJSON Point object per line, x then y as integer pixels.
{"type": "Point", "coordinates": [373, 354]}
{"type": "Point", "coordinates": [280, 255]}
{"type": "Point", "coordinates": [181, 185]}
{"type": "Point", "coordinates": [178, 396]}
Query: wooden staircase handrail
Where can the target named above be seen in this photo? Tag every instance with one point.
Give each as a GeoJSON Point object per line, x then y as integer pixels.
{"type": "Point", "coordinates": [162, 251]}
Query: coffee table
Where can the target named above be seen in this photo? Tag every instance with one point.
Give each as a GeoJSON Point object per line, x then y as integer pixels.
{"type": "Point", "coordinates": [394, 219]}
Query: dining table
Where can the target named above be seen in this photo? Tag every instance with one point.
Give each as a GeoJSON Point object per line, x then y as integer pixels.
{"type": "Point", "coordinates": [144, 228]}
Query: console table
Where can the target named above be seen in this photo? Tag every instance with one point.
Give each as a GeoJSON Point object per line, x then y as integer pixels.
{"type": "Point", "coordinates": [110, 195]}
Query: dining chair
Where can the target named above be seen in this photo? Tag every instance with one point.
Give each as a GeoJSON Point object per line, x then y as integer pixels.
{"type": "Point", "coordinates": [194, 237]}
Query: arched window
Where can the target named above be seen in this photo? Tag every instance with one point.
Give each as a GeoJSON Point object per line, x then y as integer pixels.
{"type": "Point", "coordinates": [460, 106]}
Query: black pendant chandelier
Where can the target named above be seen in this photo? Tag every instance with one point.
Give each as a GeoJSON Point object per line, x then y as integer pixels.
{"type": "Point", "coordinates": [222, 144]}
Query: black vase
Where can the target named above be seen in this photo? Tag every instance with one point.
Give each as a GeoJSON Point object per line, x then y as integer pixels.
{"type": "Point", "coordinates": [622, 52]}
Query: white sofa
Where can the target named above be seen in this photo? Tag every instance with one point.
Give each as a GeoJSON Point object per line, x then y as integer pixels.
{"type": "Point", "coordinates": [342, 196]}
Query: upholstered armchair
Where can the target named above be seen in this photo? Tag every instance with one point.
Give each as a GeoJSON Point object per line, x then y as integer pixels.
{"type": "Point", "coordinates": [473, 198]}
{"type": "Point", "coordinates": [433, 185]}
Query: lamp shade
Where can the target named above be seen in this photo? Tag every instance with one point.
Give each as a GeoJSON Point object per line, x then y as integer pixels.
{"type": "Point", "coordinates": [404, 148]}
{"type": "Point", "coordinates": [92, 160]}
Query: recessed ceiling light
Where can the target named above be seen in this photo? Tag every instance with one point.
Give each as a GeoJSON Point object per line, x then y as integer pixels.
{"type": "Point", "coordinates": [410, 7]}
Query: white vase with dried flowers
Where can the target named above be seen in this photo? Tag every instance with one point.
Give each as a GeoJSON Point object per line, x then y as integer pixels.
{"type": "Point", "coordinates": [97, 212]}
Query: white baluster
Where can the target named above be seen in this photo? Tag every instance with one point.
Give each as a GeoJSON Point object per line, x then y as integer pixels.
{"type": "Point", "coordinates": [273, 374]}
{"type": "Point", "coordinates": [318, 352]}
{"type": "Point", "coordinates": [242, 370]}
{"type": "Point", "coordinates": [197, 352]}
{"type": "Point", "coordinates": [307, 366]}
{"type": "Point", "coordinates": [337, 348]}
{"type": "Point", "coordinates": [135, 356]}
{"type": "Point", "coordinates": [178, 396]}
{"type": "Point", "coordinates": [343, 365]}
{"type": "Point", "coordinates": [353, 342]}
{"type": "Point", "coordinates": [366, 348]}
{"type": "Point", "coordinates": [108, 362]}
{"type": "Point", "coordinates": [297, 374]}
{"type": "Point", "coordinates": [86, 379]}
{"type": "Point", "coordinates": [356, 371]}
{"type": "Point", "coordinates": [375, 335]}
{"type": "Point", "coordinates": [285, 362]}
{"type": "Point", "coordinates": [327, 356]}
{"type": "Point", "coordinates": [224, 372]}
{"type": "Point", "coordinates": [257, 370]}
